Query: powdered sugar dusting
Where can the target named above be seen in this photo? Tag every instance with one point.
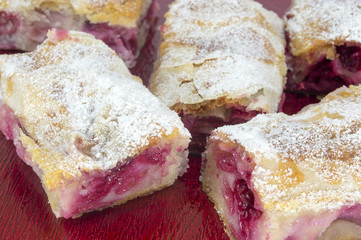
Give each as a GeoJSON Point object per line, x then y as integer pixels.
{"type": "Point", "coordinates": [309, 162]}
{"type": "Point", "coordinates": [224, 40]}
{"type": "Point", "coordinates": [114, 12]}
{"type": "Point", "coordinates": [323, 22]}
{"type": "Point", "coordinates": [77, 98]}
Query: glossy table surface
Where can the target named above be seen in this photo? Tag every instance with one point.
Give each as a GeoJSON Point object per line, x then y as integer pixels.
{"type": "Point", "coordinates": [181, 211]}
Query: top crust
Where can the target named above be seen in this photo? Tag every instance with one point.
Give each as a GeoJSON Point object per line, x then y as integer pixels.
{"type": "Point", "coordinates": [116, 12]}
{"type": "Point", "coordinates": [80, 108]}
{"type": "Point", "coordinates": [314, 25]}
{"type": "Point", "coordinates": [305, 163]}
{"type": "Point", "coordinates": [220, 50]}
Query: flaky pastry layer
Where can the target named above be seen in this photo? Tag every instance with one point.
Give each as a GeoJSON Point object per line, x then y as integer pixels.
{"type": "Point", "coordinates": [219, 52]}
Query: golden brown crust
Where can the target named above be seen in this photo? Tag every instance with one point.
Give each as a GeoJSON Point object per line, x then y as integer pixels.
{"type": "Point", "coordinates": [207, 106]}
{"type": "Point", "coordinates": [126, 12]}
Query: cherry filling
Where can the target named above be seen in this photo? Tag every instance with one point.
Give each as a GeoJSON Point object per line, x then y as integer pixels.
{"type": "Point", "coordinates": [8, 122]}
{"type": "Point", "coordinates": [327, 75]}
{"type": "Point", "coordinates": [9, 23]}
{"type": "Point", "coordinates": [201, 127]}
{"type": "Point", "coordinates": [244, 204]}
{"type": "Point", "coordinates": [9, 126]}
{"type": "Point", "coordinates": [350, 57]}
{"type": "Point", "coordinates": [122, 40]}
{"type": "Point", "coordinates": [101, 189]}
{"type": "Point", "coordinates": [294, 102]}
{"type": "Point", "coordinates": [239, 198]}
{"type": "Point", "coordinates": [321, 79]}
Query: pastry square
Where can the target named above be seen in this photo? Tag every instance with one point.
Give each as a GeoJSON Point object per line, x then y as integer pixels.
{"type": "Point", "coordinates": [290, 177]}
{"type": "Point", "coordinates": [220, 62]}
{"type": "Point", "coordinates": [94, 135]}
{"type": "Point", "coordinates": [324, 45]}
{"type": "Point", "coordinates": [122, 25]}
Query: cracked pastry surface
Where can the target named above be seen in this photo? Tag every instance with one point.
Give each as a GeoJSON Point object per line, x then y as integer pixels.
{"type": "Point", "coordinates": [220, 63]}
{"type": "Point", "coordinates": [218, 52]}
{"type": "Point", "coordinates": [73, 108]}
{"type": "Point", "coordinates": [303, 170]}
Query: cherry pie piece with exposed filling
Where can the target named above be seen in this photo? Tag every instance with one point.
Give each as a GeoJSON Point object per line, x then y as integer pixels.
{"type": "Point", "coordinates": [122, 25]}
{"type": "Point", "coordinates": [324, 45]}
{"type": "Point", "coordinates": [221, 62]}
{"type": "Point", "coordinates": [91, 131]}
{"type": "Point", "coordinates": [290, 177]}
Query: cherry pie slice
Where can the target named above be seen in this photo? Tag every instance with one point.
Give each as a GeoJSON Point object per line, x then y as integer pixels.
{"type": "Point", "coordinates": [122, 25]}
{"type": "Point", "coordinates": [290, 177]}
{"type": "Point", "coordinates": [324, 45]}
{"type": "Point", "coordinates": [221, 62]}
{"type": "Point", "coordinates": [92, 132]}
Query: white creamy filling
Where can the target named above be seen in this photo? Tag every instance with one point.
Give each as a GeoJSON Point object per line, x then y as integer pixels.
{"type": "Point", "coordinates": [157, 177]}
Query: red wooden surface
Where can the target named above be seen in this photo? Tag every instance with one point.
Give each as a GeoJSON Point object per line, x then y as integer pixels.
{"type": "Point", "coordinates": [181, 211]}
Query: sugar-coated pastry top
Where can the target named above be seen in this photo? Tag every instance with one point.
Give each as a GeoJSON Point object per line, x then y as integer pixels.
{"type": "Point", "coordinates": [80, 108]}
{"type": "Point", "coordinates": [220, 49]}
{"type": "Point", "coordinates": [314, 24]}
{"type": "Point", "coordinates": [117, 12]}
{"type": "Point", "coordinates": [309, 162]}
